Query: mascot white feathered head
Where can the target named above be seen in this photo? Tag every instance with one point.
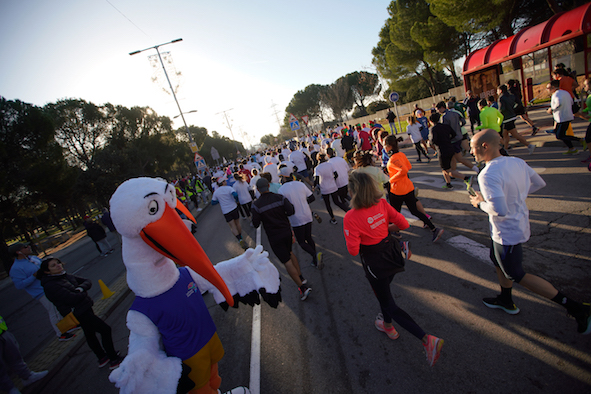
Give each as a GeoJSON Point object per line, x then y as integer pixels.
{"type": "Point", "coordinates": [146, 214]}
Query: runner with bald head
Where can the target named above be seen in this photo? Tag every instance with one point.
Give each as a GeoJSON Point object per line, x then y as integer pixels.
{"type": "Point", "coordinates": [504, 184]}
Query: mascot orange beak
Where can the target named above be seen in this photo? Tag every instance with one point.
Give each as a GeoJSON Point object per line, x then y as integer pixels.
{"type": "Point", "coordinates": [170, 237]}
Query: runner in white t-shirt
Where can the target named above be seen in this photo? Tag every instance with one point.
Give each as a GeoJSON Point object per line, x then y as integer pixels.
{"type": "Point", "coordinates": [342, 168]}
{"type": "Point", "coordinates": [324, 176]}
{"type": "Point", "coordinates": [226, 197]}
{"type": "Point", "coordinates": [505, 183]}
{"type": "Point", "coordinates": [272, 169]}
{"type": "Point", "coordinates": [301, 221]}
{"type": "Point", "coordinates": [244, 198]}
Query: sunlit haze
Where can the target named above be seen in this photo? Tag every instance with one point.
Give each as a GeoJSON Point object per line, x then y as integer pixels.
{"type": "Point", "coordinates": [236, 55]}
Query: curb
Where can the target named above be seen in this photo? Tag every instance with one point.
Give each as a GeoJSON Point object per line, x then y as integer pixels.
{"type": "Point", "coordinates": [57, 353]}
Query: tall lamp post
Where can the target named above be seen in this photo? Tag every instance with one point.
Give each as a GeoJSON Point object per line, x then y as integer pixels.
{"type": "Point", "coordinates": [191, 142]}
{"type": "Point", "coordinates": [184, 113]}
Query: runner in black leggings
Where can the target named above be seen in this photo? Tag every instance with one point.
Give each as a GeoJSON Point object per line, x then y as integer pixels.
{"type": "Point", "coordinates": [401, 188]}
{"type": "Point", "coordinates": [367, 228]}
{"type": "Point", "coordinates": [324, 176]}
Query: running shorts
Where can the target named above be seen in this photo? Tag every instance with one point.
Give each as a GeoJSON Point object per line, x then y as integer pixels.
{"type": "Point", "coordinates": [445, 161]}
{"type": "Point", "coordinates": [232, 215]}
{"type": "Point", "coordinates": [509, 259]}
{"type": "Point", "coordinates": [282, 248]}
{"type": "Point", "coordinates": [509, 125]}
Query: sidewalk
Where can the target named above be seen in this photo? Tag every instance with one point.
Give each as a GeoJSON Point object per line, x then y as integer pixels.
{"type": "Point", "coordinates": [57, 353]}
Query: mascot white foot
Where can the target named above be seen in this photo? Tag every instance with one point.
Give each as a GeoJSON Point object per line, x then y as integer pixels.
{"type": "Point", "coordinates": [173, 344]}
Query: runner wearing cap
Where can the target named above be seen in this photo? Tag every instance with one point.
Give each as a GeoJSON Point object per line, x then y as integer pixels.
{"type": "Point", "coordinates": [226, 197]}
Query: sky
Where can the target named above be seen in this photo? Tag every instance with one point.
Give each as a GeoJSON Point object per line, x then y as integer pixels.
{"type": "Point", "coordinates": [245, 57]}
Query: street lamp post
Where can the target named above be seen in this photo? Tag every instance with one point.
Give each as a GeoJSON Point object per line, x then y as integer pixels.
{"type": "Point", "coordinates": [191, 142]}
{"type": "Point", "coordinates": [184, 113]}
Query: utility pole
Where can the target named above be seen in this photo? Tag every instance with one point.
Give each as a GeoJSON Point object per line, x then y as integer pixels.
{"type": "Point", "coordinates": [275, 112]}
{"type": "Point", "coordinates": [229, 126]}
{"type": "Point", "coordinates": [191, 142]}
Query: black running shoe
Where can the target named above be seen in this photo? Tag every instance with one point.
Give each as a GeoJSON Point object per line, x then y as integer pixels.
{"type": "Point", "coordinates": [583, 319]}
{"type": "Point", "coordinates": [497, 303]}
{"type": "Point", "coordinates": [317, 217]}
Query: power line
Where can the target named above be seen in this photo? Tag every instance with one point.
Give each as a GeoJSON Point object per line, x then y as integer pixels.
{"type": "Point", "coordinates": [130, 21]}
{"type": "Point", "coordinates": [273, 105]}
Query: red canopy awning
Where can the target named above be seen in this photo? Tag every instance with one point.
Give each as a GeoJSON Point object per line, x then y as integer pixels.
{"type": "Point", "coordinates": [561, 27]}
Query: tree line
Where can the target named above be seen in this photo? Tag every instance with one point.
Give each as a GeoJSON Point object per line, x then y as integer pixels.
{"type": "Point", "coordinates": [416, 51]}
{"type": "Point", "coordinates": [58, 161]}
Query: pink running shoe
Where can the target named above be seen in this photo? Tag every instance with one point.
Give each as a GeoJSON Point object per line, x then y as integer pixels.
{"type": "Point", "coordinates": [392, 333]}
{"type": "Point", "coordinates": [433, 348]}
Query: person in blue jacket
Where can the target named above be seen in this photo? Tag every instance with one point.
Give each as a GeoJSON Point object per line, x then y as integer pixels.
{"type": "Point", "coordinates": [24, 276]}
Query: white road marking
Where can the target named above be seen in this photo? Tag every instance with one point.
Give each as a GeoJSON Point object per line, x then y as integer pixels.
{"type": "Point", "coordinates": [472, 248]}
{"type": "Point", "coordinates": [255, 346]}
{"type": "Point", "coordinates": [74, 273]}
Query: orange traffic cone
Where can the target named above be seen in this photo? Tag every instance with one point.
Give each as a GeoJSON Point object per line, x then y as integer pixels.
{"type": "Point", "coordinates": [106, 292]}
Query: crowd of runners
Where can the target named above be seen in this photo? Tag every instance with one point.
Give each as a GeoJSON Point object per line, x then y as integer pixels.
{"type": "Point", "coordinates": [361, 170]}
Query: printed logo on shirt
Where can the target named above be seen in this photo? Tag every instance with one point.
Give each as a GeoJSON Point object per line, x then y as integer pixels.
{"type": "Point", "coordinates": [192, 288]}
{"type": "Point", "coordinates": [376, 220]}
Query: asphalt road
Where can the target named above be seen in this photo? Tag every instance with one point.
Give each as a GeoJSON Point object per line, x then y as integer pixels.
{"type": "Point", "coordinates": [328, 344]}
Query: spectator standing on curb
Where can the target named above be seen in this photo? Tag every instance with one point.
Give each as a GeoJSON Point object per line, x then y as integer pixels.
{"type": "Point", "coordinates": [367, 230]}
{"type": "Point", "coordinates": [11, 360]}
{"type": "Point", "coordinates": [391, 117]}
{"type": "Point", "coordinates": [272, 210]}
{"type": "Point", "coordinates": [106, 220]}
{"type": "Point", "coordinates": [97, 233]}
{"type": "Point", "coordinates": [505, 183]}
{"type": "Point", "coordinates": [69, 294]}
{"type": "Point", "coordinates": [24, 276]}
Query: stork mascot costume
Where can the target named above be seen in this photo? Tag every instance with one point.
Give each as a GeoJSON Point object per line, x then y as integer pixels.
{"type": "Point", "coordinates": [171, 331]}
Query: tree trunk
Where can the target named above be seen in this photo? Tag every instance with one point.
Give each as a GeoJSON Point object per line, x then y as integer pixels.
{"type": "Point", "coordinates": [454, 75]}
{"type": "Point", "coordinates": [554, 6]}
{"type": "Point", "coordinates": [431, 88]}
{"type": "Point", "coordinates": [54, 217]}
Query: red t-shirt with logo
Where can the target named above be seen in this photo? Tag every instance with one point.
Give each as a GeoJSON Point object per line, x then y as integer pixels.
{"type": "Point", "coordinates": [368, 226]}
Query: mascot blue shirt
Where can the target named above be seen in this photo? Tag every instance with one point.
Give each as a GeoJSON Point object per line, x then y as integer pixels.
{"type": "Point", "coordinates": [184, 330]}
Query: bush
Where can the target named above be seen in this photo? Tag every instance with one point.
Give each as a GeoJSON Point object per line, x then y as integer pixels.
{"type": "Point", "coordinates": [376, 106]}
{"type": "Point", "coordinates": [358, 112]}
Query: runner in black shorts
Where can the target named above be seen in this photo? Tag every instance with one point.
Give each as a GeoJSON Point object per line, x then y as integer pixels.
{"type": "Point", "coordinates": [232, 215]}
{"type": "Point", "coordinates": [272, 210]}
{"type": "Point", "coordinates": [509, 259]}
{"type": "Point", "coordinates": [441, 137]}
{"type": "Point", "coordinates": [504, 185]}
{"type": "Point", "coordinates": [282, 248]}
{"type": "Point", "coordinates": [507, 108]}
